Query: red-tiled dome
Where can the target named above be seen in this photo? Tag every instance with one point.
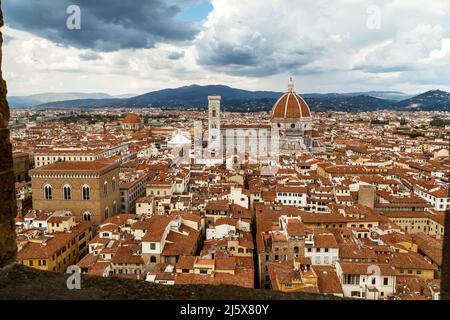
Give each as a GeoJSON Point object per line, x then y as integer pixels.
{"type": "Point", "coordinates": [132, 118]}
{"type": "Point", "coordinates": [290, 106]}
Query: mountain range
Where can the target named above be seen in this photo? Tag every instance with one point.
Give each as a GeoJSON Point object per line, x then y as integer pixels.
{"type": "Point", "coordinates": [195, 96]}
{"type": "Point", "coordinates": [41, 98]}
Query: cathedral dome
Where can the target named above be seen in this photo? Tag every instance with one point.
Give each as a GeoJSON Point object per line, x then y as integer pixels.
{"type": "Point", "coordinates": [290, 106]}
{"type": "Point", "coordinates": [132, 118]}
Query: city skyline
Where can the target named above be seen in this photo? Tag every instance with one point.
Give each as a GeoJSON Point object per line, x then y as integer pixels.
{"type": "Point", "coordinates": [206, 191]}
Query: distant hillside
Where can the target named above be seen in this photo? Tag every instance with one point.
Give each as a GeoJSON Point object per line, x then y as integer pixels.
{"type": "Point", "coordinates": [338, 102]}
{"type": "Point", "coordinates": [428, 101]}
{"type": "Point", "coordinates": [193, 96]}
{"type": "Point", "coordinates": [233, 99]}
{"type": "Point", "coordinates": [387, 95]}
{"type": "Point", "coordinates": [91, 103]}
{"type": "Point", "coordinates": [197, 96]}
{"type": "Point", "coordinates": [37, 99]}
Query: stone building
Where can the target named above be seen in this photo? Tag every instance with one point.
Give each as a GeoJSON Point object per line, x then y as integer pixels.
{"type": "Point", "coordinates": [58, 249]}
{"type": "Point", "coordinates": [89, 190]}
{"type": "Point", "coordinates": [277, 241]}
{"type": "Point", "coordinates": [290, 130]}
{"type": "Point", "coordinates": [132, 122]}
{"type": "Point", "coordinates": [21, 166]}
{"type": "Point", "coordinates": [45, 157]}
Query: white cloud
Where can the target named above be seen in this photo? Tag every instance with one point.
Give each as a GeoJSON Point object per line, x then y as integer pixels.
{"type": "Point", "coordinates": [440, 56]}
{"type": "Point", "coordinates": [326, 45]}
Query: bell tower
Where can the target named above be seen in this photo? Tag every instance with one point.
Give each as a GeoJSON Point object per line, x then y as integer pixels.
{"type": "Point", "coordinates": [214, 120]}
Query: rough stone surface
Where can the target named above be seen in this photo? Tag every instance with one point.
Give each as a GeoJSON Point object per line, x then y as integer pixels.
{"type": "Point", "coordinates": [445, 274]}
{"type": "Point", "coordinates": [7, 192]}
{"type": "Point", "coordinates": [19, 282]}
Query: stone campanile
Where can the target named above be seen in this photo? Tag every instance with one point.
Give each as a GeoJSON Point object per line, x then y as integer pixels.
{"type": "Point", "coordinates": [214, 120]}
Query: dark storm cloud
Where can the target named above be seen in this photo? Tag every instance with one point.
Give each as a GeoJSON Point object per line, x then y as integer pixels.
{"type": "Point", "coordinates": [105, 25]}
{"type": "Point", "coordinates": [229, 54]}
{"type": "Point", "coordinates": [252, 57]}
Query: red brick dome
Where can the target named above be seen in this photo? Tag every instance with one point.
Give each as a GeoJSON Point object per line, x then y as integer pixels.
{"type": "Point", "coordinates": [290, 106]}
{"type": "Point", "coordinates": [132, 118]}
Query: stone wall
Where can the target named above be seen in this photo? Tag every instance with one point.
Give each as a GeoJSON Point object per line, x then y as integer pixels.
{"type": "Point", "coordinates": [18, 282]}
{"type": "Point", "coordinates": [7, 192]}
{"type": "Point", "coordinates": [445, 274]}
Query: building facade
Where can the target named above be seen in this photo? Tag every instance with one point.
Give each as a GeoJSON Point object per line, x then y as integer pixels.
{"type": "Point", "coordinates": [88, 190]}
{"type": "Point", "coordinates": [290, 130]}
{"type": "Point", "coordinates": [21, 166]}
{"type": "Point", "coordinates": [132, 122]}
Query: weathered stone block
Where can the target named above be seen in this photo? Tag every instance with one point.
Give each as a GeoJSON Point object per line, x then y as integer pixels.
{"type": "Point", "coordinates": [7, 192]}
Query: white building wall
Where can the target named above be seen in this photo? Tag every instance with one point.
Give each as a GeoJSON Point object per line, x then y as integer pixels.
{"type": "Point", "coordinates": [321, 257]}
{"type": "Point", "coordinates": [236, 196]}
{"type": "Point", "coordinates": [219, 232]}
{"type": "Point", "coordinates": [144, 208]}
{"type": "Point", "coordinates": [294, 199]}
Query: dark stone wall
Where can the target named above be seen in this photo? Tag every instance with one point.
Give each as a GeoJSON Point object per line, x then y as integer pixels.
{"type": "Point", "coordinates": [445, 274]}
{"type": "Point", "coordinates": [7, 192]}
{"type": "Point", "coordinates": [18, 282]}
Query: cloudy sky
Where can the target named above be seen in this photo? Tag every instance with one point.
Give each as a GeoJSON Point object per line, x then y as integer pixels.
{"type": "Point", "coordinates": [136, 46]}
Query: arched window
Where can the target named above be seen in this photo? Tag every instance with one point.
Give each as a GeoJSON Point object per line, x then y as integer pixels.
{"type": "Point", "coordinates": [48, 192]}
{"type": "Point", "coordinates": [105, 188]}
{"type": "Point", "coordinates": [114, 208]}
{"type": "Point", "coordinates": [153, 259]}
{"type": "Point", "coordinates": [296, 250]}
{"type": "Point", "coordinates": [113, 184]}
{"type": "Point", "coordinates": [86, 193]}
{"type": "Point", "coordinates": [87, 216]}
{"type": "Point", "coordinates": [106, 213]}
{"type": "Point", "coordinates": [66, 192]}
{"type": "Point", "coordinates": [214, 113]}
